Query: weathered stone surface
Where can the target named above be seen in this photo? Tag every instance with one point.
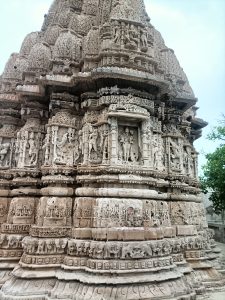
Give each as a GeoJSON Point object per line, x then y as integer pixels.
{"type": "Point", "coordinates": [99, 193]}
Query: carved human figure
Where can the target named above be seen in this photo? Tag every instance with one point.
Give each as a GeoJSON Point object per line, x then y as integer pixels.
{"type": "Point", "coordinates": [188, 161]}
{"type": "Point", "coordinates": [17, 148]}
{"type": "Point", "coordinates": [144, 40]}
{"type": "Point", "coordinates": [4, 149]}
{"type": "Point", "coordinates": [126, 142]}
{"type": "Point", "coordinates": [155, 152]}
{"type": "Point", "coordinates": [117, 33]}
{"type": "Point", "coordinates": [81, 141]}
{"type": "Point", "coordinates": [21, 147]}
{"type": "Point", "coordinates": [158, 152]}
{"type": "Point", "coordinates": [53, 210]}
{"type": "Point", "coordinates": [125, 35]}
{"type": "Point", "coordinates": [46, 147]}
{"type": "Point", "coordinates": [33, 150]}
{"type": "Point", "coordinates": [93, 141]}
{"type": "Point", "coordinates": [133, 37]}
{"type": "Point", "coordinates": [61, 147]}
{"type": "Point", "coordinates": [76, 151]}
{"type": "Point", "coordinates": [160, 155]}
{"type": "Point", "coordinates": [104, 145]}
{"type": "Point", "coordinates": [133, 155]}
{"type": "Point", "coordinates": [174, 154]}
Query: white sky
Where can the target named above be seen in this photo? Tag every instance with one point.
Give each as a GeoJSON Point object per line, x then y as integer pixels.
{"type": "Point", "coordinates": [195, 29]}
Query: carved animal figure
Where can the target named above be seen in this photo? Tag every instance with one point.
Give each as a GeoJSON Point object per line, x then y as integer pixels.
{"type": "Point", "coordinates": [71, 247]}
{"type": "Point", "coordinates": [14, 241]}
{"type": "Point", "coordinates": [112, 250]}
{"type": "Point", "coordinates": [136, 250]}
{"type": "Point", "coordinates": [2, 239]}
{"type": "Point", "coordinates": [29, 245]}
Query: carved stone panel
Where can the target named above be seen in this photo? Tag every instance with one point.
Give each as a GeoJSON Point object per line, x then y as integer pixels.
{"type": "Point", "coordinates": [54, 211]}
{"type": "Point", "coordinates": [61, 142]}
{"type": "Point", "coordinates": [28, 144]}
{"type": "Point", "coordinates": [22, 211]}
{"type": "Point", "coordinates": [130, 213]}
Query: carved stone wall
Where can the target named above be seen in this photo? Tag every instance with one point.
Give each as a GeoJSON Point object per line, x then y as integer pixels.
{"type": "Point", "coordinates": [99, 193]}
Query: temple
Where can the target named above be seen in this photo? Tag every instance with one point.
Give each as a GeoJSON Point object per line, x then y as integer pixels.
{"type": "Point", "coordinates": [99, 192]}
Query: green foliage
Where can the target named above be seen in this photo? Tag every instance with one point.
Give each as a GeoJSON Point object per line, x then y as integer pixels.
{"type": "Point", "coordinates": [213, 179]}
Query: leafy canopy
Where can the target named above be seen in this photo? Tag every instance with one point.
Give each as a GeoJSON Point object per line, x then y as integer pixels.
{"type": "Point", "coordinates": [213, 179]}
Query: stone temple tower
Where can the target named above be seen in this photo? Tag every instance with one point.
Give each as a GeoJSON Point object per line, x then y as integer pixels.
{"type": "Point", "coordinates": [99, 195]}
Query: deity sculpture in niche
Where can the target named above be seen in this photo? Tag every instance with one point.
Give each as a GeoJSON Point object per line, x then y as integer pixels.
{"type": "Point", "coordinates": [128, 145]}
{"type": "Point", "coordinates": [28, 144]}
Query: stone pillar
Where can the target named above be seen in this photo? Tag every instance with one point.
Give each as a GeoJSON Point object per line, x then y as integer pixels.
{"type": "Point", "coordinates": [10, 121]}
{"type": "Point", "coordinates": [24, 195]}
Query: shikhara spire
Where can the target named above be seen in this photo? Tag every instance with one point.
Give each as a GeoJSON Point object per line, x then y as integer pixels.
{"type": "Point", "coordinates": [99, 190]}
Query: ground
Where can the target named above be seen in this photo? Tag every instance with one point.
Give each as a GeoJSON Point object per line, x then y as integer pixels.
{"type": "Point", "coordinates": [217, 295]}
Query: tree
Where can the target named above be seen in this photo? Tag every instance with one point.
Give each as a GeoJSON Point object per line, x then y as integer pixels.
{"type": "Point", "coordinates": [213, 179]}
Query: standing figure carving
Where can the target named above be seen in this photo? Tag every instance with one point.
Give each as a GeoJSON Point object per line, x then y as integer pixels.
{"type": "Point", "coordinates": [93, 141]}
